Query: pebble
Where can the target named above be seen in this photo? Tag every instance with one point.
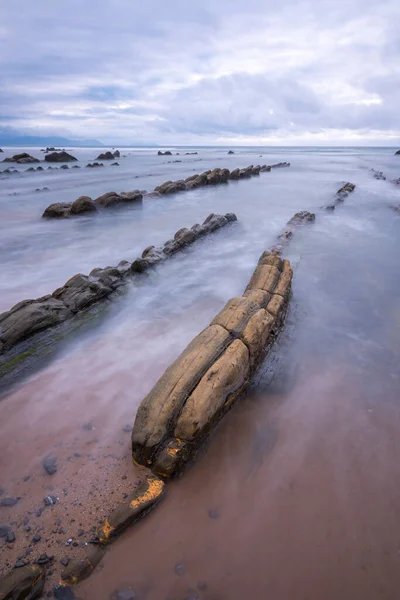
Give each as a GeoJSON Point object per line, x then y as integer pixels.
{"type": "Point", "coordinates": [180, 569]}
{"type": "Point", "coordinates": [10, 537]}
{"type": "Point", "coordinates": [50, 465]}
{"type": "Point", "coordinates": [87, 426]}
{"type": "Point", "coordinates": [63, 593]}
{"type": "Point", "coordinates": [36, 538]}
{"type": "Point", "coordinates": [21, 563]}
{"type": "Point", "coordinates": [4, 530]}
{"type": "Point", "coordinates": [9, 502]}
{"type": "Point", "coordinates": [213, 514]}
{"type": "Point", "coordinates": [27, 528]}
{"type": "Point", "coordinates": [64, 562]}
{"type": "Point", "coordinates": [27, 477]}
{"type": "Point", "coordinates": [50, 500]}
{"type": "Point", "coordinates": [43, 559]}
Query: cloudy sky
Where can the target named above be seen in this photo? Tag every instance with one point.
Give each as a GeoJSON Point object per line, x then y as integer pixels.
{"type": "Point", "coordinates": [202, 72]}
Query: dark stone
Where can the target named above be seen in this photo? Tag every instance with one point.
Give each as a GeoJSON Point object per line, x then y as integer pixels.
{"type": "Point", "coordinates": [180, 569]}
{"type": "Point", "coordinates": [8, 501]}
{"type": "Point", "coordinates": [213, 514]}
{"type": "Point", "coordinates": [115, 164]}
{"type": "Point", "coordinates": [87, 426]}
{"type": "Point", "coordinates": [50, 500]}
{"type": "Point", "coordinates": [64, 562]}
{"type": "Point", "coordinates": [166, 153]}
{"type": "Point", "coordinates": [43, 559]}
{"type": "Point", "coordinates": [139, 265]}
{"type": "Point", "coordinates": [59, 157]}
{"type": "Point", "coordinates": [80, 291]}
{"type": "Point", "coordinates": [4, 530]}
{"type": "Point", "coordinates": [106, 156]}
{"type": "Point", "coordinates": [231, 217]}
{"type": "Point", "coordinates": [50, 465]}
{"type": "Point", "coordinates": [21, 563]}
{"type": "Point", "coordinates": [10, 537]}
{"type": "Point", "coordinates": [231, 152]}
{"type": "Point", "coordinates": [36, 538]}
{"type": "Point", "coordinates": [64, 167]}
{"type": "Point", "coordinates": [63, 593]}
{"type": "Point", "coordinates": [397, 152]}
{"type": "Point", "coordinates": [123, 595]}
{"type": "Point", "coordinates": [22, 158]}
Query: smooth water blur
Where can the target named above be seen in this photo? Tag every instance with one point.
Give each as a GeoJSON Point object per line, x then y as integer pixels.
{"type": "Point", "coordinates": [305, 469]}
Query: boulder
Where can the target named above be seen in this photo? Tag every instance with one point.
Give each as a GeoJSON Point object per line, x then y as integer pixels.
{"type": "Point", "coordinates": [117, 154]}
{"type": "Point", "coordinates": [235, 174]}
{"type": "Point", "coordinates": [22, 158]}
{"type": "Point", "coordinates": [133, 196]}
{"type": "Point", "coordinates": [231, 152]}
{"type": "Point", "coordinates": [108, 199]}
{"type": "Point", "coordinates": [231, 217]}
{"type": "Point", "coordinates": [301, 218]}
{"type": "Point", "coordinates": [140, 265]}
{"type": "Point", "coordinates": [64, 167]}
{"type": "Point", "coordinates": [185, 236]}
{"type": "Point", "coordinates": [95, 164]}
{"type": "Point", "coordinates": [265, 168]}
{"type": "Point", "coordinates": [397, 152]}
{"type": "Point", "coordinates": [265, 277]}
{"type": "Point", "coordinates": [80, 292]}
{"type": "Point", "coordinates": [153, 419]}
{"type": "Point", "coordinates": [83, 204]}
{"type": "Point", "coordinates": [1, 150]}
{"type": "Point", "coordinates": [58, 210]}
{"type": "Point", "coordinates": [59, 157]}
{"type": "Point", "coordinates": [107, 156]}
{"type": "Point", "coordinates": [166, 153]}
{"type": "Point", "coordinates": [346, 189]}
{"type": "Point", "coordinates": [115, 164]}
{"type": "Point", "coordinates": [25, 583]}
{"type": "Point", "coordinates": [29, 317]}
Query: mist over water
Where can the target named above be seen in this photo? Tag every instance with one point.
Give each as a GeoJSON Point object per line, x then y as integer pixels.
{"type": "Point", "coordinates": [304, 472]}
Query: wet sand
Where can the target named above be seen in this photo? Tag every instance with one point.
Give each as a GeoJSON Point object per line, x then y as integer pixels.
{"type": "Point", "coordinates": [297, 497]}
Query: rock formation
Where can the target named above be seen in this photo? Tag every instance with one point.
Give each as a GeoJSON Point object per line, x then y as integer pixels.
{"type": "Point", "coordinates": [22, 158]}
{"type": "Point", "coordinates": [59, 157]}
{"type": "Point", "coordinates": [82, 291]}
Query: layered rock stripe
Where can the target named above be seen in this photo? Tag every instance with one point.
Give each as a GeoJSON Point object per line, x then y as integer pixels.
{"type": "Point", "coordinates": [341, 195]}
{"type": "Point", "coordinates": [82, 291]}
{"type": "Point", "coordinates": [25, 583]}
{"type": "Point", "coordinates": [85, 204]}
{"type": "Point", "coordinates": [212, 372]}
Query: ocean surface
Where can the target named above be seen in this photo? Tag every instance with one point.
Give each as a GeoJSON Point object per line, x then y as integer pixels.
{"type": "Point", "coordinates": [304, 473]}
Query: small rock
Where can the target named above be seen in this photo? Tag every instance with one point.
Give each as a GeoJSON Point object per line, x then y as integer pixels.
{"type": "Point", "coordinates": [4, 530]}
{"type": "Point", "coordinates": [127, 428]}
{"type": "Point", "coordinates": [36, 538]}
{"type": "Point", "coordinates": [27, 477]}
{"type": "Point", "coordinates": [123, 595]}
{"type": "Point", "coordinates": [10, 537]}
{"type": "Point", "coordinates": [213, 514]}
{"type": "Point", "coordinates": [180, 569]}
{"type": "Point", "coordinates": [64, 562]}
{"type": "Point", "coordinates": [50, 465]}
{"type": "Point", "coordinates": [43, 559]}
{"type": "Point", "coordinates": [81, 533]}
{"type": "Point", "coordinates": [21, 563]}
{"type": "Point", "coordinates": [87, 426]}
{"type": "Point", "coordinates": [63, 593]}
{"type": "Point", "coordinates": [9, 502]}
{"type": "Point", "coordinates": [27, 528]}
{"type": "Point", "coordinates": [50, 500]}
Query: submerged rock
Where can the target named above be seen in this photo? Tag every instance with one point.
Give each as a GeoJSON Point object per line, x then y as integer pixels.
{"type": "Point", "coordinates": [83, 204]}
{"type": "Point", "coordinates": [50, 466]}
{"type": "Point", "coordinates": [397, 152]}
{"type": "Point", "coordinates": [58, 210]}
{"type": "Point", "coordinates": [59, 157]}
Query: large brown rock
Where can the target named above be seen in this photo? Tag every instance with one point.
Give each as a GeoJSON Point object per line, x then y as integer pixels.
{"type": "Point", "coordinates": [58, 210]}
{"type": "Point", "coordinates": [25, 583]}
{"type": "Point", "coordinates": [107, 200]}
{"type": "Point", "coordinates": [107, 156]}
{"type": "Point", "coordinates": [29, 317]}
{"type": "Point", "coordinates": [132, 196]}
{"type": "Point", "coordinates": [83, 204]}
{"type": "Point", "coordinates": [59, 157]}
{"type": "Point", "coordinates": [219, 386]}
{"type": "Point", "coordinates": [285, 281]}
{"type": "Point", "coordinates": [157, 412]}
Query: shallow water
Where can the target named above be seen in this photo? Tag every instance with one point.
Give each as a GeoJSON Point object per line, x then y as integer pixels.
{"type": "Point", "coordinates": [304, 472]}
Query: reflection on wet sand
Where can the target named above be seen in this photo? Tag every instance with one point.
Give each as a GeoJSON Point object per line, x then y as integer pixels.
{"type": "Point", "coordinates": [297, 497]}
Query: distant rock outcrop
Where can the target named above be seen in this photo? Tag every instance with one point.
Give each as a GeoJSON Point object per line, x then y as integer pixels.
{"type": "Point", "coordinates": [397, 152]}
{"type": "Point", "coordinates": [231, 152]}
{"type": "Point", "coordinates": [166, 153]}
{"type": "Point", "coordinates": [59, 157]}
{"type": "Point", "coordinates": [108, 155]}
{"type": "Point", "coordinates": [22, 158]}
{"type": "Point", "coordinates": [1, 150]}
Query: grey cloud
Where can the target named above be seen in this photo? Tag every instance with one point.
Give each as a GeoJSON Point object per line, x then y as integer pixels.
{"type": "Point", "coordinates": [182, 71]}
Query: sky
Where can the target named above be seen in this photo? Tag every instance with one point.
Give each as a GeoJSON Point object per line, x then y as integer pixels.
{"type": "Point", "coordinates": [212, 72]}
